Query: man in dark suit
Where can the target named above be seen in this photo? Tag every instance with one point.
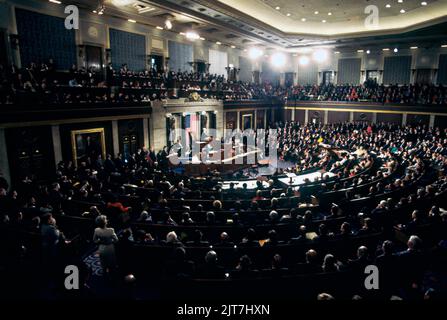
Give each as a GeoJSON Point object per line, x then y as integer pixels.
{"type": "Point", "coordinates": [211, 269]}
{"type": "Point", "coordinates": [301, 236]}
{"type": "Point", "coordinates": [55, 197]}
{"type": "Point", "coordinates": [109, 165]}
{"type": "Point", "coordinates": [224, 241]}
{"type": "Point", "coordinates": [412, 263]}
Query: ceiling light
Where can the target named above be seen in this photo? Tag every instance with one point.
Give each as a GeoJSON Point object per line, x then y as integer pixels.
{"type": "Point", "coordinates": [396, 50]}
{"type": "Point", "coordinates": [368, 51]}
{"type": "Point", "coordinates": [191, 35]}
{"type": "Point", "coordinates": [304, 60]}
{"type": "Point", "coordinates": [55, 1]}
{"type": "Point", "coordinates": [336, 52]}
{"type": "Point", "coordinates": [360, 51]}
{"type": "Point", "coordinates": [168, 24]}
{"type": "Point", "coordinates": [303, 19]}
{"type": "Point", "coordinates": [444, 46]}
{"type": "Point", "coordinates": [278, 8]}
{"type": "Point", "coordinates": [388, 6]}
{"type": "Point", "coordinates": [99, 9]}
{"type": "Point", "coordinates": [423, 3]}
{"type": "Point", "coordinates": [413, 48]}
{"type": "Point", "coordinates": [279, 59]}
{"type": "Point", "coordinates": [320, 55]}
{"type": "Point", "coordinates": [386, 49]}
{"type": "Point", "coordinates": [400, 1]}
{"type": "Point", "coordinates": [329, 13]}
{"type": "Point", "coordinates": [255, 53]}
{"type": "Point", "coordinates": [289, 14]}
{"type": "Point", "coordinates": [143, 9]}
{"type": "Point", "coordinates": [233, 47]}
{"type": "Point", "coordinates": [324, 21]}
{"type": "Point", "coordinates": [402, 11]}
{"type": "Point", "coordinates": [132, 20]}
{"type": "Point", "coordinates": [202, 38]}
{"type": "Point", "coordinates": [159, 28]}
{"type": "Point", "coordinates": [218, 43]}
{"type": "Point", "coordinates": [316, 12]}
{"type": "Point", "coordinates": [120, 3]}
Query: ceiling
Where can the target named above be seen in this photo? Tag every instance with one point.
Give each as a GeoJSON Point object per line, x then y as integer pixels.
{"type": "Point", "coordinates": [336, 17]}
{"type": "Point", "coordinates": [279, 23]}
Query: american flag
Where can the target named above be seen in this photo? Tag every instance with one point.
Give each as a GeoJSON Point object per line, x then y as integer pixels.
{"type": "Point", "coordinates": [192, 126]}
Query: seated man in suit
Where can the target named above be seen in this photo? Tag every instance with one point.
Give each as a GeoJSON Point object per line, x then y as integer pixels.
{"type": "Point", "coordinates": [211, 269]}
{"type": "Point", "coordinates": [312, 264]}
{"type": "Point", "coordinates": [244, 269]}
{"type": "Point", "coordinates": [412, 263]}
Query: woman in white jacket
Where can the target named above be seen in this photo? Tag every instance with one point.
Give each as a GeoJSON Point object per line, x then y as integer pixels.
{"type": "Point", "coordinates": [105, 238]}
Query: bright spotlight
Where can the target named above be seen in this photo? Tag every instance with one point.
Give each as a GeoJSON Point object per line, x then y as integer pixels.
{"type": "Point", "coordinates": [320, 55]}
{"type": "Point", "coordinates": [279, 59]}
{"type": "Point", "coordinates": [304, 60]}
{"type": "Point", "coordinates": [192, 35]}
{"type": "Point", "coordinates": [255, 53]}
{"type": "Point", "coordinates": [120, 3]}
{"type": "Point", "coordinates": [168, 24]}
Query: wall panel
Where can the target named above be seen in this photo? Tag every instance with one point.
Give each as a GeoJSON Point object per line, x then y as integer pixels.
{"type": "Point", "coordinates": [397, 70]}
{"type": "Point", "coordinates": [349, 71]}
{"type": "Point", "coordinates": [43, 37]}
{"type": "Point", "coordinates": [128, 48]}
{"type": "Point", "coordinates": [180, 55]}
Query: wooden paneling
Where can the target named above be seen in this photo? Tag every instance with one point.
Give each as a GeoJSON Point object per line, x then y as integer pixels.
{"type": "Point", "coordinates": [418, 119]}
{"type": "Point", "coordinates": [335, 116]}
{"type": "Point", "coordinates": [389, 117]}
{"type": "Point", "coordinates": [363, 116]}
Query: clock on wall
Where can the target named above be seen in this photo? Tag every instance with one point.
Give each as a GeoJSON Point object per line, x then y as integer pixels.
{"type": "Point", "coordinates": [93, 32]}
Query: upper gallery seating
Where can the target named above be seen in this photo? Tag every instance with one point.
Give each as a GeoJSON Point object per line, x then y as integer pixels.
{"type": "Point", "coordinates": [43, 84]}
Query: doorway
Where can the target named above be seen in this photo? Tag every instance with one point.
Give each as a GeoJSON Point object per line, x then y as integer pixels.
{"type": "Point", "coordinates": [289, 79]}
{"type": "Point", "coordinates": [256, 77]}
{"type": "Point", "coordinates": [201, 67]}
{"type": "Point", "coordinates": [423, 76]}
{"type": "Point", "coordinates": [156, 62]}
{"type": "Point", "coordinates": [372, 75]}
{"type": "Point", "coordinates": [93, 58]}
{"type": "Point", "coordinates": [3, 48]}
{"type": "Point", "coordinates": [328, 77]}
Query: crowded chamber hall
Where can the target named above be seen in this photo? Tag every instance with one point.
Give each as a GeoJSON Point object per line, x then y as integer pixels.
{"type": "Point", "coordinates": [203, 155]}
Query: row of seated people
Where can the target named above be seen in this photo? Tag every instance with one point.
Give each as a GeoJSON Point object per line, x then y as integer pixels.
{"type": "Point", "coordinates": [43, 79]}
{"type": "Point", "coordinates": [328, 253]}
{"type": "Point", "coordinates": [413, 94]}
{"type": "Point", "coordinates": [416, 144]}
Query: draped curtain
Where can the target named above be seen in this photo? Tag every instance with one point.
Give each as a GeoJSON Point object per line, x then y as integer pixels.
{"type": "Point", "coordinates": [43, 37]}
{"type": "Point", "coordinates": [245, 73]}
{"type": "Point", "coordinates": [307, 74]}
{"type": "Point", "coordinates": [179, 56]}
{"type": "Point", "coordinates": [442, 69]}
{"type": "Point", "coordinates": [349, 71]}
{"type": "Point", "coordinates": [128, 48]}
{"type": "Point", "coordinates": [397, 70]}
{"type": "Point", "coordinates": [218, 61]}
